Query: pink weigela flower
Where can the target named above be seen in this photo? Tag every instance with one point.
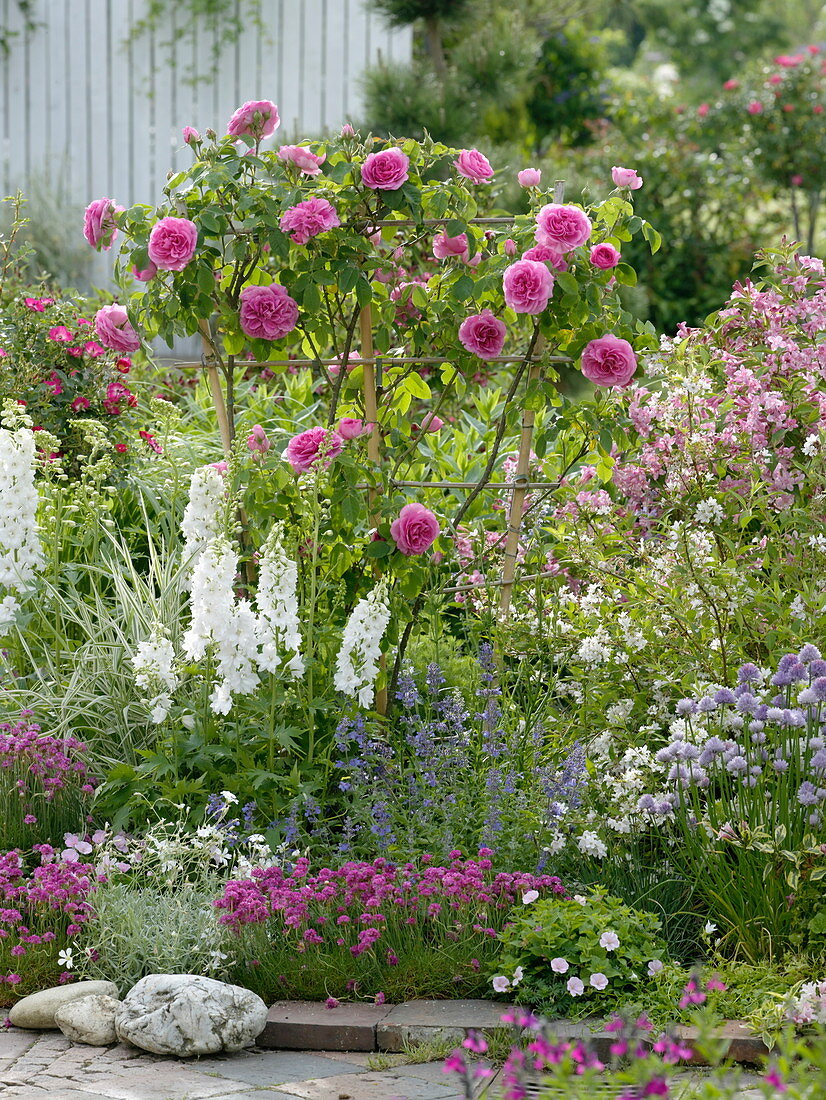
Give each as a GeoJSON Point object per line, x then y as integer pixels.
{"type": "Point", "coordinates": [528, 285]}
{"type": "Point", "coordinates": [483, 334]}
{"type": "Point", "coordinates": [115, 330]}
{"type": "Point", "coordinates": [267, 312]}
{"type": "Point", "coordinates": [609, 361]}
{"type": "Point", "coordinates": [258, 118]}
{"type": "Point", "coordinates": [562, 228]}
{"type": "Point", "coordinates": [308, 219]}
{"type": "Point", "coordinates": [303, 158]}
{"type": "Point", "coordinates": [385, 170]}
{"type": "Point", "coordinates": [474, 166]}
{"type": "Point", "coordinates": [172, 243]}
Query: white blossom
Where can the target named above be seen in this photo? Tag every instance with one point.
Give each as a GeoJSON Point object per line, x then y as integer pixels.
{"type": "Point", "coordinates": [153, 661]}
{"type": "Point", "coordinates": [357, 662]}
{"type": "Point", "coordinates": [709, 511]}
{"type": "Point", "coordinates": [591, 845]}
{"type": "Point", "coordinates": [279, 626]}
{"type": "Point", "coordinates": [203, 515]}
{"type": "Point", "coordinates": [20, 551]}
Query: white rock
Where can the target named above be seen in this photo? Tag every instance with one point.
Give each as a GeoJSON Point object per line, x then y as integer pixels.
{"type": "Point", "coordinates": [187, 1015]}
{"type": "Point", "coordinates": [37, 1010]}
{"type": "Point", "coordinates": [90, 1020]}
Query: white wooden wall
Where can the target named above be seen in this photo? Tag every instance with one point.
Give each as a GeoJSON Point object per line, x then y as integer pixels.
{"type": "Point", "coordinates": [104, 118]}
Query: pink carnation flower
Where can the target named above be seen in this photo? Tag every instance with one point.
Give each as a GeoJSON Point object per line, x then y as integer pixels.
{"type": "Point", "coordinates": [604, 256]}
{"type": "Point", "coordinates": [172, 243]}
{"type": "Point", "coordinates": [267, 312]}
{"type": "Point", "coordinates": [415, 529]}
{"type": "Point", "coordinates": [306, 161]}
{"type": "Point", "coordinates": [562, 228]}
{"type": "Point", "coordinates": [609, 361]}
{"type": "Point", "coordinates": [626, 177]}
{"type": "Point", "coordinates": [311, 446]}
{"type": "Point", "coordinates": [385, 170]}
{"type": "Point", "coordinates": [308, 219]}
{"type": "Point", "coordinates": [474, 166]}
{"type": "Point", "coordinates": [256, 119]}
{"type": "Point", "coordinates": [529, 177]}
{"type": "Point", "coordinates": [483, 334]}
{"type": "Point", "coordinates": [115, 330]}
{"type": "Point", "coordinates": [99, 227]}
{"type": "Point", "coordinates": [528, 285]}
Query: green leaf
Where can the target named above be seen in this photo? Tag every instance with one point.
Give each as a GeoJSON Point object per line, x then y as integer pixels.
{"type": "Point", "coordinates": [348, 278]}
{"type": "Point", "coordinates": [234, 343]}
{"type": "Point", "coordinates": [378, 549]}
{"type": "Point", "coordinates": [364, 293]}
{"type": "Point", "coordinates": [463, 288]}
{"type": "Point", "coordinates": [625, 275]}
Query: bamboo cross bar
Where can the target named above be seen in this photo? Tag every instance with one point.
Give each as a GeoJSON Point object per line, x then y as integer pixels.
{"type": "Point", "coordinates": [389, 360]}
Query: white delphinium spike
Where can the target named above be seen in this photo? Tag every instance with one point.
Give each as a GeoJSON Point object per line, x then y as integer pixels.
{"type": "Point", "coordinates": [279, 626]}
{"type": "Point", "coordinates": [357, 662]}
{"type": "Point", "coordinates": [237, 651]}
{"type": "Point", "coordinates": [154, 662]}
{"type": "Point", "coordinates": [20, 551]}
{"type": "Point", "coordinates": [203, 515]}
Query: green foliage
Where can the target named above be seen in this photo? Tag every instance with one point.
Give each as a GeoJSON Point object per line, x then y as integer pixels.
{"type": "Point", "coordinates": [568, 88]}
{"type": "Point", "coordinates": [568, 932]}
{"type": "Point", "coordinates": [402, 13]}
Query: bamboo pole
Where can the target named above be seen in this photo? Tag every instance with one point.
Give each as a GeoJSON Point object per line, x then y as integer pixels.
{"type": "Point", "coordinates": [210, 362]}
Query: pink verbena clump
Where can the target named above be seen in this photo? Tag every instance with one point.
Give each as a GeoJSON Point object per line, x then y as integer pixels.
{"type": "Point", "coordinates": [409, 929]}
{"type": "Point", "coordinates": [41, 910]}
{"type": "Point", "coordinates": [45, 785]}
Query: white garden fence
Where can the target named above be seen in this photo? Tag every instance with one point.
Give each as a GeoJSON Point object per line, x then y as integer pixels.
{"type": "Point", "coordinates": [82, 107]}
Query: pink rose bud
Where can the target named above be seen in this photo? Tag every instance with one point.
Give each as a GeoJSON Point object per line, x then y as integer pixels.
{"type": "Point", "coordinates": [528, 285]}
{"type": "Point", "coordinates": [172, 243]}
{"type": "Point", "coordinates": [308, 219]}
{"type": "Point", "coordinates": [99, 227]}
{"type": "Point", "coordinates": [432, 424]}
{"type": "Point", "coordinates": [509, 247]}
{"type": "Point", "coordinates": [306, 161]}
{"type": "Point", "coordinates": [256, 119]}
{"type": "Point", "coordinates": [386, 170]}
{"type": "Point", "coordinates": [609, 361]}
{"type": "Point", "coordinates": [604, 256]}
{"type": "Point", "coordinates": [529, 177]}
{"type": "Point", "coordinates": [257, 441]}
{"type": "Point", "coordinates": [115, 330]}
{"type": "Point", "coordinates": [347, 130]}
{"type": "Point", "coordinates": [626, 177]}
{"type": "Point", "coordinates": [267, 312]}
{"type": "Point", "coordinates": [348, 428]}
{"type": "Point", "coordinates": [483, 334]}
{"type": "Point", "coordinates": [474, 166]}
{"type": "Point", "coordinates": [415, 529]}
{"type": "Point", "coordinates": [190, 134]}
{"type": "Point", "coordinates": [145, 273]}
{"type": "Point", "coordinates": [315, 445]}
{"type": "Point", "coordinates": [562, 228]}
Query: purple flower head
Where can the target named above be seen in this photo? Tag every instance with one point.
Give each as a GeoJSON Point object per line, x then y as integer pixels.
{"type": "Point", "coordinates": [748, 674]}
{"type": "Point", "coordinates": [808, 794]}
{"type": "Point", "coordinates": [706, 705]}
{"type": "Point", "coordinates": [817, 668]}
{"type": "Point", "coordinates": [818, 687]}
{"type": "Point", "coordinates": [724, 696]}
{"type": "Point", "coordinates": [809, 653]}
{"type": "Point", "coordinates": [686, 706]}
{"type": "Point", "coordinates": [746, 703]}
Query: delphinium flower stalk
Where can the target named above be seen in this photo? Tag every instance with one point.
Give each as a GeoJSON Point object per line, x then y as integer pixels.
{"type": "Point", "coordinates": [20, 550]}
{"type": "Point", "coordinates": [357, 662]}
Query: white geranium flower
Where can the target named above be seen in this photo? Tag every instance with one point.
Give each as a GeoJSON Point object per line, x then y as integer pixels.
{"type": "Point", "coordinates": [609, 941]}
{"type": "Point", "coordinates": [529, 896]}
{"type": "Point", "coordinates": [501, 984]}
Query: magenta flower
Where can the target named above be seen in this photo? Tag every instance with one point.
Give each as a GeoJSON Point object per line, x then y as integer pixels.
{"type": "Point", "coordinates": [348, 428]}
{"type": "Point", "coordinates": [267, 312]}
{"type": "Point", "coordinates": [528, 284]}
{"type": "Point", "coordinates": [60, 334]}
{"type": "Point", "coordinates": [562, 228]}
{"type": "Point", "coordinates": [190, 135]}
{"type": "Point", "coordinates": [544, 254]}
{"type": "Point", "coordinates": [385, 170]}
{"type": "Point", "coordinates": [99, 226]}
{"type": "Point", "coordinates": [445, 247]}
{"type": "Point", "coordinates": [303, 158]}
{"type": "Point", "coordinates": [115, 330]}
{"type": "Point", "coordinates": [604, 256]}
{"type": "Point", "coordinates": [145, 273]}
{"type": "Point", "coordinates": [415, 529]}
{"type": "Point", "coordinates": [483, 334]}
{"type": "Point", "coordinates": [257, 119]}
{"type": "Point", "coordinates": [474, 166]}
{"type": "Point", "coordinates": [172, 243]}
{"type": "Point", "coordinates": [311, 446]}
{"type": "Point", "coordinates": [626, 177]}
{"type": "Point", "coordinates": [529, 177]}
{"type": "Point", "coordinates": [308, 219]}
{"type": "Point", "coordinates": [609, 361]}
{"type": "Point", "coordinates": [257, 441]}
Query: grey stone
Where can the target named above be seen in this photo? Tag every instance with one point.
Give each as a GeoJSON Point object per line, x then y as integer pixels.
{"type": "Point", "coordinates": [37, 1011]}
{"type": "Point", "coordinates": [442, 1021]}
{"type": "Point", "coordinates": [186, 1015]}
{"type": "Point", "coordinates": [371, 1086]}
{"type": "Point", "coordinates": [90, 1020]}
{"type": "Point", "coordinates": [273, 1068]}
{"type": "Point", "coordinates": [303, 1025]}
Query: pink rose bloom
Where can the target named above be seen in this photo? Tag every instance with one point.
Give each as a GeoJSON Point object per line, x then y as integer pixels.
{"type": "Point", "coordinates": [335, 368]}
{"type": "Point", "coordinates": [267, 312]}
{"type": "Point", "coordinates": [797, 181]}
{"type": "Point", "coordinates": [307, 448]}
{"type": "Point", "coordinates": [609, 361]}
{"type": "Point", "coordinates": [190, 134]}
{"type": "Point", "coordinates": [626, 177]}
{"type": "Point", "coordinates": [257, 441]}
{"type": "Point", "coordinates": [604, 256]}
{"type": "Point", "coordinates": [529, 177]}
{"type": "Point", "coordinates": [256, 119]}
{"type": "Point", "coordinates": [445, 247]}
{"type": "Point", "coordinates": [61, 334]}
{"type": "Point", "coordinates": [730, 85]}
{"type": "Point", "coordinates": [306, 161]}
{"type": "Point", "coordinates": [145, 273]}
{"type": "Point", "coordinates": [386, 170]}
{"type": "Point", "coordinates": [99, 227]}
{"type": "Point", "coordinates": [546, 255]}
{"type": "Point", "coordinates": [172, 243]}
{"type": "Point", "coordinates": [775, 78]}
{"type": "Point", "coordinates": [562, 228]}
{"type": "Point", "coordinates": [348, 428]}
{"type": "Point", "coordinates": [415, 529]}
{"type": "Point", "coordinates": [308, 219]}
{"type": "Point", "coordinates": [755, 107]}
{"type": "Point", "coordinates": [703, 110]}
{"type": "Point", "coordinates": [509, 247]}
{"type": "Point", "coordinates": [528, 285]}
{"type": "Point", "coordinates": [115, 330]}
{"type": "Point", "coordinates": [474, 166]}
{"type": "Point", "coordinates": [483, 334]}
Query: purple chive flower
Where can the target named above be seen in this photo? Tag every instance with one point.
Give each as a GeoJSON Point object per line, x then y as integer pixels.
{"type": "Point", "coordinates": [724, 696]}
{"type": "Point", "coordinates": [748, 674]}
{"type": "Point", "coordinates": [809, 653]}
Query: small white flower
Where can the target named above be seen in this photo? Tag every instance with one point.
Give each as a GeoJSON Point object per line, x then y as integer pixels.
{"type": "Point", "coordinates": [654, 967]}
{"type": "Point", "coordinates": [501, 984]}
{"type": "Point", "coordinates": [559, 965]}
{"type": "Point", "coordinates": [598, 980]}
{"type": "Point", "coordinates": [579, 899]}
{"type": "Point", "coordinates": [529, 896]}
{"type": "Point", "coordinates": [709, 929]}
{"type": "Point", "coordinates": [518, 975]}
{"type": "Point", "coordinates": [229, 797]}
{"type": "Point", "coordinates": [609, 940]}
{"type": "Point", "coordinates": [66, 958]}
{"type": "Point", "coordinates": [575, 987]}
